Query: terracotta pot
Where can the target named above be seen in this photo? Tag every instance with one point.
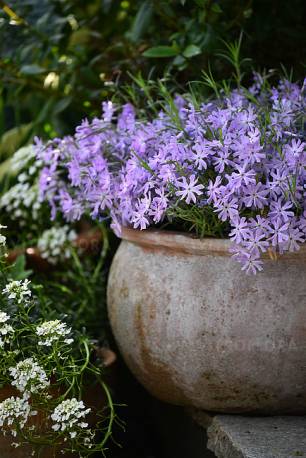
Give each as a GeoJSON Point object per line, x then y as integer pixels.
{"type": "Point", "coordinates": [197, 331]}
{"type": "Point", "coordinates": [94, 397]}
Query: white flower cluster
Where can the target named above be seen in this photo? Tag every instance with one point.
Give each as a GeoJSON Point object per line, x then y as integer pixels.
{"type": "Point", "coordinates": [18, 290]}
{"type": "Point", "coordinates": [55, 243]}
{"type": "Point", "coordinates": [2, 237]}
{"type": "Point", "coordinates": [52, 331]}
{"type": "Point", "coordinates": [68, 417]}
{"type": "Point", "coordinates": [23, 198]}
{"type": "Point", "coordinates": [5, 329]}
{"type": "Point", "coordinates": [15, 410]}
{"type": "Point", "coordinates": [23, 157]}
{"type": "Point", "coordinates": [29, 377]}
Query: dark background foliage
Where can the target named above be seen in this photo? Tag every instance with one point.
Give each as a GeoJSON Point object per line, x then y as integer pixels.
{"type": "Point", "coordinates": [60, 58]}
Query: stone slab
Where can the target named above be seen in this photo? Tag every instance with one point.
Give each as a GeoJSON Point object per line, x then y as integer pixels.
{"type": "Point", "coordinates": [231, 436]}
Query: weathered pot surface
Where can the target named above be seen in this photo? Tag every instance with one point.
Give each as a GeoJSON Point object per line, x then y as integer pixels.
{"type": "Point", "coordinates": [196, 330]}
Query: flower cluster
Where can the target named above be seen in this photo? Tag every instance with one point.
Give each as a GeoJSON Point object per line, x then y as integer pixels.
{"type": "Point", "coordinates": [53, 331]}
{"type": "Point", "coordinates": [22, 199]}
{"type": "Point", "coordinates": [55, 243]}
{"type": "Point", "coordinates": [37, 362]}
{"type": "Point", "coordinates": [2, 237]}
{"type": "Point", "coordinates": [18, 290]}
{"type": "Point", "coordinates": [14, 413]}
{"type": "Point", "coordinates": [29, 377]}
{"type": "Point", "coordinates": [5, 329]}
{"type": "Point", "coordinates": [239, 159]}
{"type": "Point", "coordinates": [68, 417]}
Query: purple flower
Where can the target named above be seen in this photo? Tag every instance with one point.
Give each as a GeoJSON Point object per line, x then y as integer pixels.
{"type": "Point", "coordinates": [280, 210]}
{"type": "Point", "coordinates": [190, 190]}
{"type": "Point", "coordinates": [230, 166]}
{"type": "Point", "coordinates": [240, 229]}
{"type": "Point", "coordinates": [279, 233]}
{"type": "Point", "coordinates": [227, 208]}
{"type": "Point", "coordinates": [255, 196]}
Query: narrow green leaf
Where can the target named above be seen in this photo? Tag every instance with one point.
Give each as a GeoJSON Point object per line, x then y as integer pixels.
{"type": "Point", "coordinates": [12, 139]}
{"type": "Point", "coordinates": [32, 69]}
{"type": "Point", "coordinates": [141, 21]}
{"type": "Point", "coordinates": [161, 51]}
{"type": "Point", "coordinates": [191, 51]}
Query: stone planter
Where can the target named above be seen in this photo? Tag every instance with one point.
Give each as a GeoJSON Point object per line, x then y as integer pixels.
{"type": "Point", "coordinates": [197, 331]}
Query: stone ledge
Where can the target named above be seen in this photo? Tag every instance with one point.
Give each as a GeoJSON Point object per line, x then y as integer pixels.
{"type": "Point", "coordinates": [231, 436]}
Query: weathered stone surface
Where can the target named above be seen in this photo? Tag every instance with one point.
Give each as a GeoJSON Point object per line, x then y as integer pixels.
{"type": "Point", "coordinates": [196, 331]}
{"type": "Point", "coordinates": [250, 437]}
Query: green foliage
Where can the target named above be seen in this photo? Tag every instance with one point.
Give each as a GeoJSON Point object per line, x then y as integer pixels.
{"type": "Point", "coordinates": [59, 59]}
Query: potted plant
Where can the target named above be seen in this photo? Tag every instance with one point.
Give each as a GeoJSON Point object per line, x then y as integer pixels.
{"type": "Point", "coordinates": [53, 399]}
{"type": "Point", "coordinates": [194, 190]}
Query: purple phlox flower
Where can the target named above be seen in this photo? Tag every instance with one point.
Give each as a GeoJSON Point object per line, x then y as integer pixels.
{"type": "Point", "coordinates": [279, 182]}
{"type": "Point", "coordinates": [243, 176]}
{"type": "Point", "coordinates": [74, 172]}
{"type": "Point", "coordinates": [139, 218]}
{"type": "Point", "coordinates": [219, 118]}
{"type": "Point", "coordinates": [167, 172]}
{"type": "Point", "coordinates": [227, 208]}
{"type": "Point", "coordinates": [280, 210]}
{"type": "Point", "coordinates": [72, 208]}
{"type": "Point", "coordinates": [116, 225]}
{"type": "Point", "coordinates": [214, 189]}
{"type": "Point", "coordinates": [158, 206]}
{"type": "Point", "coordinates": [200, 155]}
{"type": "Point", "coordinates": [46, 180]}
{"type": "Point", "coordinates": [101, 200]}
{"type": "Point", "coordinates": [248, 150]}
{"type": "Point", "coordinates": [108, 111]}
{"type": "Point", "coordinates": [126, 119]}
{"type": "Point", "coordinates": [222, 159]}
{"type": "Point", "coordinates": [255, 242]}
{"type": "Point", "coordinates": [189, 190]}
{"type": "Point", "coordinates": [295, 236]}
{"type": "Point", "coordinates": [247, 117]}
{"type": "Point", "coordinates": [240, 229]}
{"type": "Point", "coordinates": [295, 148]}
{"type": "Point", "coordinates": [260, 223]}
{"type": "Point", "coordinates": [251, 262]}
{"type": "Point", "coordinates": [302, 222]}
{"type": "Point", "coordinates": [139, 143]}
{"type": "Point", "coordinates": [279, 233]}
{"type": "Point", "coordinates": [254, 196]}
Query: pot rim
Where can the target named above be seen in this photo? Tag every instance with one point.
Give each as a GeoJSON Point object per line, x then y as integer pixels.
{"type": "Point", "coordinates": [188, 244]}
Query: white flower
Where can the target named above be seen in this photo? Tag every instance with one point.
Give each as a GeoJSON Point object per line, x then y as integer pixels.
{"type": "Point", "coordinates": [68, 417]}
{"type": "Point", "coordinates": [2, 237]}
{"type": "Point", "coordinates": [29, 377]}
{"type": "Point", "coordinates": [15, 411]}
{"type": "Point", "coordinates": [18, 289]}
{"type": "Point", "coordinates": [55, 243]}
{"type": "Point", "coordinates": [22, 200]}
{"type": "Point", "coordinates": [22, 157]}
{"type": "Point", "coordinates": [5, 329]}
{"type": "Point", "coordinates": [52, 331]}
{"type": "Point", "coordinates": [4, 317]}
